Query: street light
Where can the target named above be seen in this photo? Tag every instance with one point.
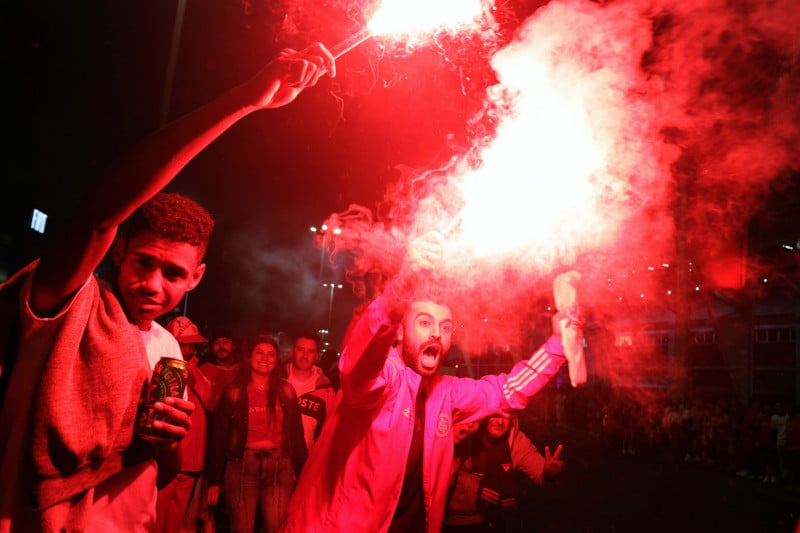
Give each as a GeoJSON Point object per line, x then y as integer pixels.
{"type": "Point", "coordinates": [332, 286]}
{"type": "Point", "coordinates": [323, 231]}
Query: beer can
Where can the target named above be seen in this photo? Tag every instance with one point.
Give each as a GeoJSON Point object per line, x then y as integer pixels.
{"type": "Point", "coordinates": [169, 379]}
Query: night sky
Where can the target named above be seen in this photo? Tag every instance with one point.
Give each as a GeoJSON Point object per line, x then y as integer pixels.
{"type": "Point", "coordinates": [89, 79]}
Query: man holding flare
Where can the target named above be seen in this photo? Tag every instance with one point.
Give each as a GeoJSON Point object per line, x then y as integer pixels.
{"type": "Point", "coordinates": [76, 351]}
{"type": "Point", "coordinates": [383, 460]}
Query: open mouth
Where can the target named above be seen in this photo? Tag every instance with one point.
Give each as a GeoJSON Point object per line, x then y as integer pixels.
{"type": "Point", "coordinates": [430, 355]}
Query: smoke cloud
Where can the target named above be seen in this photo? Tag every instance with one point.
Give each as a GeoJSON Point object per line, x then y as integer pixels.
{"type": "Point", "coordinates": [620, 137]}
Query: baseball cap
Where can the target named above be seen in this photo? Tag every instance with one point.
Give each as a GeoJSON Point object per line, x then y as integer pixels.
{"type": "Point", "coordinates": [184, 330]}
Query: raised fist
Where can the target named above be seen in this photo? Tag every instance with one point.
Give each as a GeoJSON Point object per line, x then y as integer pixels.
{"type": "Point", "coordinates": [568, 324]}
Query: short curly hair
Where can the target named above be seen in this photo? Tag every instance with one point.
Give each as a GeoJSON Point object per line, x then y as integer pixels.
{"type": "Point", "coordinates": [174, 217]}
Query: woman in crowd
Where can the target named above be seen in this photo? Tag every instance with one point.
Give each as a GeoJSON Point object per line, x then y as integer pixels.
{"type": "Point", "coordinates": [256, 448]}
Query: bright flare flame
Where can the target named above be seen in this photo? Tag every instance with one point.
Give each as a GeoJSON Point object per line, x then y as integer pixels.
{"type": "Point", "coordinates": [535, 186]}
{"type": "Point", "coordinates": [555, 180]}
{"type": "Point", "coordinates": [409, 17]}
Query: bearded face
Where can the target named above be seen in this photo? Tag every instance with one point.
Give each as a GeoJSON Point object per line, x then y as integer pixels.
{"type": "Point", "coordinates": [304, 353]}
{"type": "Point", "coordinates": [426, 334]}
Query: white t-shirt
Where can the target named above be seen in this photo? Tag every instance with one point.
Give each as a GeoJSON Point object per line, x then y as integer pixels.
{"type": "Point", "coordinates": [160, 343]}
{"type": "Point", "coordinates": [127, 501]}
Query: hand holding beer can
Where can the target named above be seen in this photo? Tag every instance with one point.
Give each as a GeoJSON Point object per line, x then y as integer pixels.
{"type": "Point", "coordinates": [168, 380]}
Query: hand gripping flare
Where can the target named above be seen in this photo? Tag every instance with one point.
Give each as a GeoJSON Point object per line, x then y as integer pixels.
{"type": "Point", "coordinates": [568, 324]}
{"type": "Point", "coordinates": [342, 47]}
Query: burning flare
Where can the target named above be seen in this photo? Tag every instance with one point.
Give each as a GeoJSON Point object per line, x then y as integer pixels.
{"type": "Point", "coordinates": [415, 19]}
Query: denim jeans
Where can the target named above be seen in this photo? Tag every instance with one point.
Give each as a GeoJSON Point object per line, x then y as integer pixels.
{"type": "Point", "coordinates": [261, 479]}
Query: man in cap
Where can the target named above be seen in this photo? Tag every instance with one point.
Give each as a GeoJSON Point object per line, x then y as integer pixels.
{"type": "Point", "coordinates": [187, 334]}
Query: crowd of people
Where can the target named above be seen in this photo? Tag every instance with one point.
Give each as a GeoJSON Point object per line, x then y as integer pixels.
{"type": "Point", "coordinates": [253, 427]}
{"type": "Point", "coordinates": [759, 441]}
{"type": "Point", "coordinates": [391, 445]}
{"type": "Point", "coordinates": [79, 343]}
{"type": "Point", "coordinates": [266, 409]}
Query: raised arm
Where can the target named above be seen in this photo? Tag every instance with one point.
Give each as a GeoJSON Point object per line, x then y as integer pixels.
{"type": "Point", "coordinates": [508, 392]}
{"type": "Point", "coordinates": [568, 324]}
{"type": "Point", "coordinates": [364, 356]}
{"type": "Point", "coordinates": [80, 245]}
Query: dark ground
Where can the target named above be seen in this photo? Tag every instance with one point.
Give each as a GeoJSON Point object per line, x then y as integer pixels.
{"type": "Point", "coordinates": [603, 491]}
